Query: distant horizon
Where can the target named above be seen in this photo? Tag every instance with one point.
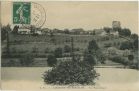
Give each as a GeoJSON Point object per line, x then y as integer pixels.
{"type": "Point", "coordinates": [77, 28]}
{"type": "Point", "coordinates": [86, 15]}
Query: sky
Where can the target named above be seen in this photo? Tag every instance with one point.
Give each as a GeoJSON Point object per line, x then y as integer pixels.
{"type": "Point", "coordinates": [86, 15]}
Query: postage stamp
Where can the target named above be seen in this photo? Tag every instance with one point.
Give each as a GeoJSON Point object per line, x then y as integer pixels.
{"type": "Point", "coordinates": [21, 12]}
{"type": "Point", "coordinates": [28, 13]}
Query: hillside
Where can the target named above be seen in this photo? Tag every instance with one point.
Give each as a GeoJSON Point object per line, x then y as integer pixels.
{"type": "Point", "coordinates": [40, 46]}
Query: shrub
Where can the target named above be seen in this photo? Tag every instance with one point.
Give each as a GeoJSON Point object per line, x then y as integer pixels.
{"type": "Point", "coordinates": [125, 32]}
{"type": "Point", "coordinates": [70, 72]}
{"type": "Point", "coordinates": [135, 43]}
{"type": "Point", "coordinates": [93, 46]}
{"type": "Point", "coordinates": [126, 45]}
{"type": "Point", "coordinates": [51, 60]}
{"type": "Point", "coordinates": [90, 59]}
{"type": "Point", "coordinates": [134, 36]}
{"type": "Point", "coordinates": [130, 57]}
{"type": "Point", "coordinates": [101, 57]}
{"type": "Point", "coordinates": [107, 29]}
{"type": "Point", "coordinates": [119, 59]}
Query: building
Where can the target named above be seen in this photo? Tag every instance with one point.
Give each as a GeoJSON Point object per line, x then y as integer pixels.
{"type": "Point", "coordinates": [24, 31]}
{"type": "Point", "coordinates": [116, 24]}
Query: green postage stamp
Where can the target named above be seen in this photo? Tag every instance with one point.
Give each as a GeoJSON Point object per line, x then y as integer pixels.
{"type": "Point", "coordinates": [21, 12]}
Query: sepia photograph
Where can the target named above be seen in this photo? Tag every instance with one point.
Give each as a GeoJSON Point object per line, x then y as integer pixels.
{"type": "Point", "coordinates": [69, 45]}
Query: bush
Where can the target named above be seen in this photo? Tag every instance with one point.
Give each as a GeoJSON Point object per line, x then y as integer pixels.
{"type": "Point", "coordinates": [134, 36]}
{"type": "Point", "coordinates": [71, 72]}
{"type": "Point", "coordinates": [130, 57]}
{"type": "Point", "coordinates": [93, 46]}
{"type": "Point", "coordinates": [126, 45]}
{"type": "Point", "coordinates": [101, 57]}
{"type": "Point", "coordinates": [90, 59]}
{"type": "Point", "coordinates": [135, 43]}
{"type": "Point", "coordinates": [51, 60]}
{"type": "Point", "coordinates": [119, 59]}
{"type": "Point", "coordinates": [125, 32]}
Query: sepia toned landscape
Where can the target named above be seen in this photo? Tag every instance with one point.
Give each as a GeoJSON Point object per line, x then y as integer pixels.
{"type": "Point", "coordinates": [104, 58]}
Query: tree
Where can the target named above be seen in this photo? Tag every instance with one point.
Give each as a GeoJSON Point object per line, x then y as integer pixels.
{"type": "Point", "coordinates": [51, 60]}
{"type": "Point", "coordinates": [107, 30]}
{"type": "Point", "coordinates": [134, 36]}
{"type": "Point", "coordinates": [71, 72]}
{"type": "Point", "coordinates": [90, 54]}
{"type": "Point", "coordinates": [8, 28]}
{"type": "Point", "coordinates": [135, 43]}
{"type": "Point", "coordinates": [92, 47]}
{"type": "Point", "coordinates": [5, 36]}
{"type": "Point", "coordinates": [135, 40]}
{"type": "Point", "coordinates": [15, 29]}
{"type": "Point", "coordinates": [66, 31]}
{"type": "Point", "coordinates": [58, 52]}
{"type": "Point", "coordinates": [126, 45]}
{"type": "Point", "coordinates": [119, 59]}
{"type": "Point", "coordinates": [101, 57]}
{"type": "Point", "coordinates": [90, 59]}
{"type": "Point", "coordinates": [4, 31]}
{"type": "Point", "coordinates": [125, 32]}
{"type": "Point", "coordinates": [130, 57]}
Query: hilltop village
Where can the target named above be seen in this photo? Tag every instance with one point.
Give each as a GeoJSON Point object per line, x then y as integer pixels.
{"type": "Point", "coordinates": [116, 44]}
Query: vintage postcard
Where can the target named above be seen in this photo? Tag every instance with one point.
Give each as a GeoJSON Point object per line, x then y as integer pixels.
{"type": "Point", "coordinates": [69, 45]}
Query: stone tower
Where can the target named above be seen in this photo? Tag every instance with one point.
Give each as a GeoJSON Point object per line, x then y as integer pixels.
{"type": "Point", "coordinates": [116, 24]}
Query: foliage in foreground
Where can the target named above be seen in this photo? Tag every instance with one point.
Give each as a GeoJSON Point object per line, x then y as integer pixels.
{"type": "Point", "coordinates": [71, 72]}
{"type": "Point", "coordinates": [127, 62]}
{"type": "Point", "coordinates": [51, 60]}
